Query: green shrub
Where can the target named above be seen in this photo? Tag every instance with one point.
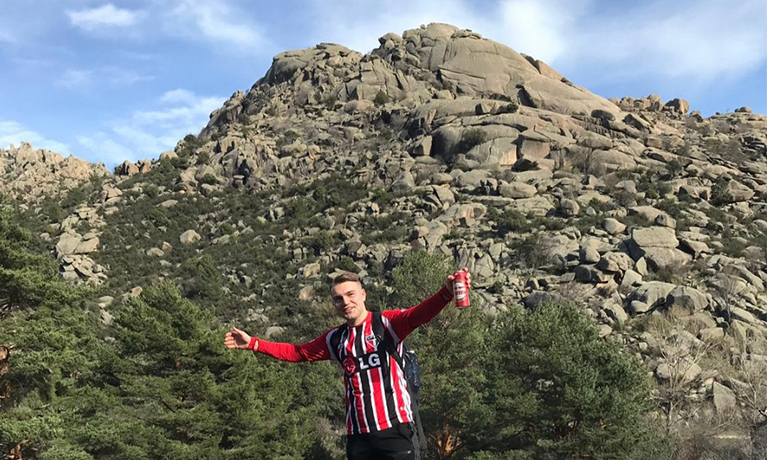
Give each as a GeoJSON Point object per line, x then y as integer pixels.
{"type": "Point", "coordinates": [653, 186]}
{"type": "Point", "coordinates": [51, 210]}
{"type": "Point", "coordinates": [381, 98]}
{"type": "Point", "coordinates": [287, 138]}
{"type": "Point", "coordinates": [96, 181]}
{"type": "Point", "coordinates": [530, 251]}
{"type": "Point", "coordinates": [624, 198]}
{"type": "Point", "coordinates": [674, 168]}
{"type": "Point", "coordinates": [347, 264]}
{"type": "Point", "coordinates": [601, 207]}
{"type": "Point", "coordinates": [75, 197]}
{"type": "Point", "coordinates": [202, 278]}
{"type": "Point", "coordinates": [209, 179]}
{"type": "Point", "coordinates": [511, 107]}
{"type": "Point", "coordinates": [635, 220]}
{"type": "Point", "coordinates": [675, 209]}
{"type": "Point", "coordinates": [321, 242]}
{"type": "Point", "coordinates": [733, 247]}
{"type": "Point", "coordinates": [203, 158]}
{"type": "Point", "coordinates": [330, 102]}
{"type": "Point", "coordinates": [730, 150]}
{"type": "Point", "coordinates": [189, 144]}
{"type": "Point", "coordinates": [674, 273]}
{"type": "Point", "coordinates": [720, 194]}
{"type": "Point", "coordinates": [471, 138]}
{"type": "Point", "coordinates": [390, 234]}
{"type": "Point", "coordinates": [549, 223]}
{"type": "Point", "coordinates": [509, 220]}
{"type": "Point", "coordinates": [301, 210]}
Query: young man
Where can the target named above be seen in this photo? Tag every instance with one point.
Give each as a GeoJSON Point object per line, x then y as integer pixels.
{"type": "Point", "coordinates": [378, 412]}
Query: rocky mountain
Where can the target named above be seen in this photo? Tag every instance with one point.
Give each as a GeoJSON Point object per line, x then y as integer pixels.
{"type": "Point", "coordinates": [648, 215]}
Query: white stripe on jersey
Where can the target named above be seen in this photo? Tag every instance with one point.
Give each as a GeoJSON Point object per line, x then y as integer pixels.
{"type": "Point", "coordinates": [397, 395]}
{"type": "Point", "coordinates": [403, 387]}
{"type": "Point", "coordinates": [366, 333]}
{"type": "Point", "coordinates": [362, 424]}
{"type": "Point", "coordinates": [382, 390]}
{"type": "Point", "coordinates": [394, 335]}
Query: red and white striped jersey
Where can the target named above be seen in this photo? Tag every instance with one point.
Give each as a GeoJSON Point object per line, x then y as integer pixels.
{"type": "Point", "coordinates": [377, 396]}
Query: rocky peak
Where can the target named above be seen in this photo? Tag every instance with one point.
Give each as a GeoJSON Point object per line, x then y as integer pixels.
{"type": "Point", "coordinates": [467, 64]}
{"type": "Point", "coordinates": [438, 61]}
{"type": "Point", "coordinates": [31, 173]}
{"type": "Point", "coordinates": [289, 66]}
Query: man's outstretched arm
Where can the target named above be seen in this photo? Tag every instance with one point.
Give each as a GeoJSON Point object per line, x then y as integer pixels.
{"type": "Point", "coordinates": [316, 350]}
{"type": "Point", "coordinates": [405, 321]}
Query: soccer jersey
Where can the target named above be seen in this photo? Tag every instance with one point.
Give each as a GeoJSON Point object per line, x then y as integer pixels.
{"type": "Point", "coordinates": [377, 396]}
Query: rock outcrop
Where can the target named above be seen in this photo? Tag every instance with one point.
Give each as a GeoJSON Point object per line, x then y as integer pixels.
{"type": "Point", "coordinates": [30, 174]}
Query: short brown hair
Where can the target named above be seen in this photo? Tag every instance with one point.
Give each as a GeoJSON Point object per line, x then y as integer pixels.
{"type": "Point", "coordinates": [346, 276]}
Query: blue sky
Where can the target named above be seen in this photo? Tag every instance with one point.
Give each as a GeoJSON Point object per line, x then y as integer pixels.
{"type": "Point", "coordinates": [118, 80]}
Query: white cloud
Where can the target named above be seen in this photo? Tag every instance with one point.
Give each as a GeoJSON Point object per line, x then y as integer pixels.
{"type": "Point", "coordinates": [118, 77]}
{"type": "Point", "coordinates": [696, 40]}
{"type": "Point", "coordinates": [73, 79]}
{"type": "Point", "coordinates": [540, 28]}
{"type": "Point", "coordinates": [214, 21]}
{"type": "Point", "coordinates": [190, 111]}
{"type": "Point", "coordinates": [178, 96]}
{"type": "Point", "coordinates": [359, 25]}
{"type": "Point", "coordinates": [147, 133]}
{"type": "Point", "coordinates": [136, 56]}
{"type": "Point", "coordinates": [702, 39]}
{"type": "Point", "coordinates": [12, 132]}
{"type": "Point", "coordinates": [80, 79]}
{"type": "Point", "coordinates": [103, 147]}
{"type": "Point", "coordinates": [6, 36]}
{"type": "Point", "coordinates": [104, 17]}
{"type": "Point", "coordinates": [537, 28]}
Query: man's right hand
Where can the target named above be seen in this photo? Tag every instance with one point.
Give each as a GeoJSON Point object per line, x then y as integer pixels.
{"type": "Point", "coordinates": [237, 339]}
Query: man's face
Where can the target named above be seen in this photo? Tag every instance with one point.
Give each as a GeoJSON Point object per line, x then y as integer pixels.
{"type": "Point", "coordinates": [349, 300]}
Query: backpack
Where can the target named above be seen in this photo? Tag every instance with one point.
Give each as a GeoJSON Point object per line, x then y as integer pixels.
{"type": "Point", "coordinates": [408, 362]}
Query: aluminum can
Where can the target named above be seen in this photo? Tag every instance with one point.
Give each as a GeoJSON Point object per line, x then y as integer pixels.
{"type": "Point", "coordinates": [460, 289]}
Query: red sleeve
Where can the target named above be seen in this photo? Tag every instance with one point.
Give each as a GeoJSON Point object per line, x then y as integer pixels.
{"type": "Point", "coordinates": [405, 321]}
{"type": "Point", "coordinates": [316, 350]}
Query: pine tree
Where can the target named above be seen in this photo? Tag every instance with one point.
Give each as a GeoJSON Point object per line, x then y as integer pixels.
{"type": "Point", "coordinates": [27, 278]}
{"type": "Point", "coordinates": [450, 350]}
{"type": "Point", "coordinates": [185, 396]}
{"type": "Point", "coordinates": [556, 390]}
{"type": "Point", "coordinates": [48, 350]}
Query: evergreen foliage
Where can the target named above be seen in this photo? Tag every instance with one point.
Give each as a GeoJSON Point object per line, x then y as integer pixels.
{"type": "Point", "coordinates": [555, 390]}
{"type": "Point", "coordinates": [27, 279]}
{"type": "Point", "coordinates": [188, 397]}
{"type": "Point", "coordinates": [49, 350]}
{"type": "Point", "coordinates": [526, 385]}
{"type": "Point", "coordinates": [451, 352]}
{"type": "Point", "coordinates": [471, 138]}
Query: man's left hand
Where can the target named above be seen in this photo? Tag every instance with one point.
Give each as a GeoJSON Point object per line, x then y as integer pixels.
{"type": "Point", "coordinates": [450, 278]}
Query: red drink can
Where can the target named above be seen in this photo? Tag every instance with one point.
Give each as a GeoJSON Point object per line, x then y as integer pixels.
{"type": "Point", "coordinates": [460, 289]}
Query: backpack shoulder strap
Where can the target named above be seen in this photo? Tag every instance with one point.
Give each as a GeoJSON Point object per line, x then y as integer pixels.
{"type": "Point", "coordinates": [378, 327]}
{"type": "Point", "coordinates": [384, 338]}
{"type": "Point", "coordinates": [334, 340]}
